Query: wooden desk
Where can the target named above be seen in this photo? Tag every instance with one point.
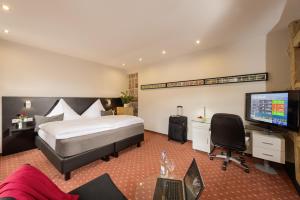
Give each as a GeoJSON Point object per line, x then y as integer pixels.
{"type": "Point", "coordinates": [124, 111]}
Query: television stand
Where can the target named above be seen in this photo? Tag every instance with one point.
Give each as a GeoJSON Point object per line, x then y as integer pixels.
{"type": "Point", "coordinates": [266, 167]}
{"type": "Point", "coordinates": [268, 146]}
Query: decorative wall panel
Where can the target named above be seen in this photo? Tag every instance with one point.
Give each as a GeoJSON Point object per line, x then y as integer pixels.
{"type": "Point", "coordinates": [209, 81]}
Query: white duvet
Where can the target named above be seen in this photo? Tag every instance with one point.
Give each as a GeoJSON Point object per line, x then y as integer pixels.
{"type": "Point", "coordinates": [79, 127]}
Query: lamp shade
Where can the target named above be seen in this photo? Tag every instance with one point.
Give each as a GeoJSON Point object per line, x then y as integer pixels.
{"type": "Point", "coordinates": [27, 104]}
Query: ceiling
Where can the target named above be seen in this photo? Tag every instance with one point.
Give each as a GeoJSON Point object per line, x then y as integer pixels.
{"type": "Point", "coordinates": [115, 32]}
{"type": "Point", "coordinates": [290, 13]}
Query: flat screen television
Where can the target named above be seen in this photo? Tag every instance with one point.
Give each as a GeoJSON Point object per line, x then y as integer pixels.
{"type": "Point", "coordinates": [278, 109]}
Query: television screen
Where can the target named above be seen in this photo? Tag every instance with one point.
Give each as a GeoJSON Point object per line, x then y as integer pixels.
{"type": "Point", "coordinates": [274, 108]}
{"type": "Point", "coordinates": [270, 107]}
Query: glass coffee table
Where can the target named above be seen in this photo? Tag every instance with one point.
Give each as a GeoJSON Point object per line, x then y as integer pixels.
{"type": "Point", "coordinates": [145, 189]}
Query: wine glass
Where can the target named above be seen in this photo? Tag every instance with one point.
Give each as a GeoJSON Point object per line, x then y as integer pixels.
{"type": "Point", "coordinates": [171, 167]}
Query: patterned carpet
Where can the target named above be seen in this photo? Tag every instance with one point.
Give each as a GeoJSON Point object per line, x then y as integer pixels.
{"type": "Point", "coordinates": [136, 164]}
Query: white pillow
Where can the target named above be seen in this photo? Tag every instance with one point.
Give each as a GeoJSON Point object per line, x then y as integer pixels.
{"type": "Point", "coordinates": [63, 108]}
{"type": "Point", "coordinates": [69, 113]}
{"type": "Point", "coordinates": [57, 110]}
{"type": "Point", "coordinates": [94, 110]}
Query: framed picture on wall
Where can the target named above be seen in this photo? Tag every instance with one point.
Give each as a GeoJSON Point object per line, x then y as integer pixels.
{"type": "Point", "coordinates": [209, 81]}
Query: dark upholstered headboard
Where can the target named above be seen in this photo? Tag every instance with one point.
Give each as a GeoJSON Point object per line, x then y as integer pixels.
{"type": "Point", "coordinates": [11, 106]}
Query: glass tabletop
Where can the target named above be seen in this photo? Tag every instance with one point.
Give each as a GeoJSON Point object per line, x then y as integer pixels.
{"type": "Point", "coordinates": [146, 187]}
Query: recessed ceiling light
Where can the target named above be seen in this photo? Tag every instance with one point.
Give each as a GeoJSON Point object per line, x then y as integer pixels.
{"type": "Point", "coordinates": [123, 64]}
{"type": "Point", "coordinates": [163, 52]}
{"type": "Point", "coordinates": [6, 31]}
{"type": "Point", "coordinates": [5, 7]}
{"type": "Point", "coordinates": [197, 41]}
{"type": "Point", "coordinates": [140, 59]}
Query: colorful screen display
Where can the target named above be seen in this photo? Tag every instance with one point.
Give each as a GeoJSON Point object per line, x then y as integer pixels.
{"type": "Point", "coordinates": [270, 107]}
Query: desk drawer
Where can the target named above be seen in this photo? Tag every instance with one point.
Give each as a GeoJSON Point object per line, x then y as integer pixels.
{"type": "Point", "coordinates": [200, 125]}
{"type": "Point", "coordinates": [267, 154]}
{"type": "Point", "coordinates": [267, 142]}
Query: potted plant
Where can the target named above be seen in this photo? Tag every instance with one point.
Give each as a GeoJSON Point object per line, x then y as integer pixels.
{"type": "Point", "coordinates": [126, 98]}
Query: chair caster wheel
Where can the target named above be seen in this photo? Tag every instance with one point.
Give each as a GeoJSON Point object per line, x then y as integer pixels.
{"type": "Point", "coordinates": [224, 168]}
{"type": "Point", "coordinates": [247, 171]}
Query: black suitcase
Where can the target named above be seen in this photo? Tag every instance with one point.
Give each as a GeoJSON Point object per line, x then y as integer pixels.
{"type": "Point", "coordinates": [178, 128]}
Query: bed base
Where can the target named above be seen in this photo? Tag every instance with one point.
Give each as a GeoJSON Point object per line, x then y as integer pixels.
{"type": "Point", "coordinates": [105, 158]}
{"type": "Point", "coordinates": [123, 144]}
{"type": "Point", "coordinates": [67, 164]}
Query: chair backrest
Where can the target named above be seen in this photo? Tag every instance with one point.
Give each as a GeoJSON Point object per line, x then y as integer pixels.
{"type": "Point", "coordinates": [227, 130]}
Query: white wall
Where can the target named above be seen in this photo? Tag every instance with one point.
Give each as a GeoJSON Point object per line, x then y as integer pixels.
{"type": "Point", "coordinates": [28, 71]}
{"type": "Point", "coordinates": [244, 57]}
{"type": "Point", "coordinates": [277, 60]}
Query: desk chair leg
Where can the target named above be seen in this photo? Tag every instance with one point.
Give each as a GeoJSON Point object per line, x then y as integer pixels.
{"type": "Point", "coordinates": [227, 158]}
{"type": "Point", "coordinates": [241, 163]}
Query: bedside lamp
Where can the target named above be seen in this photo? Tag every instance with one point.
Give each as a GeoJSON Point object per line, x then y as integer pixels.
{"type": "Point", "coordinates": [27, 104]}
{"type": "Point", "coordinates": [109, 106]}
{"type": "Point", "coordinates": [108, 102]}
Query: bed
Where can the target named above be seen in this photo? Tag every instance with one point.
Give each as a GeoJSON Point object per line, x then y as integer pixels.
{"type": "Point", "coordinates": [14, 105]}
{"type": "Point", "coordinates": [68, 154]}
{"type": "Point", "coordinates": [71, 144]}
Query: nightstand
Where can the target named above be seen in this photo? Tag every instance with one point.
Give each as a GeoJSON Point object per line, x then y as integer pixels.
{"type": "Point", "coordinates": [18, 140]}
{"type": "Point", "coordinates": [14, 130]}
{"type": "Point", "coordinates": [124, 111]}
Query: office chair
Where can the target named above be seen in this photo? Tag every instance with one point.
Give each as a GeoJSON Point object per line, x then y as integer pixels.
{"type": "Point", "coordinates": [227, 131]}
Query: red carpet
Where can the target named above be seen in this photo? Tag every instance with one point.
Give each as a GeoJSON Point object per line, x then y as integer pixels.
{"type": "Point", "coordinates": [135, 164]}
